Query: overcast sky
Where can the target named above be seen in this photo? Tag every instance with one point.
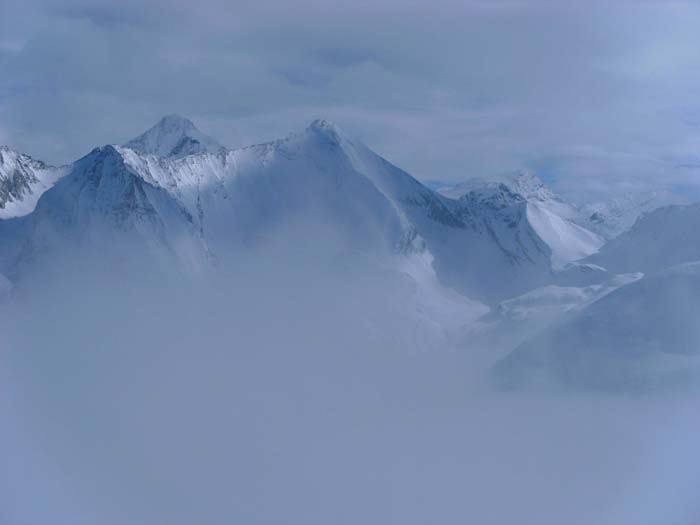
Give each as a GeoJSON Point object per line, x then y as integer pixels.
{"type": "Point", "coordinates": [595, 97]}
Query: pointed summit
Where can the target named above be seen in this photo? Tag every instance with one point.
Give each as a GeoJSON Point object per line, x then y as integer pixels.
{"type": "Point", "coordinates": [323, 125]}
{"type": "Point", "coordinates": [22, 181]}
{"type": "Point", "coordinates": [176, 120]}
{"type": "Point", "coordinates": [327, 130]}
{"type": "Point", "coordinates": [174, 136]}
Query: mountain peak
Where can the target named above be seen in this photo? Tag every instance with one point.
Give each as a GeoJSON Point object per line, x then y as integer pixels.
{"type": "Point", "coordinates": [530, 186]}
{"type": "Point", "coordinates": [173, 120]}
{"type": "Point", "coordinates": [22, 181]}
{"type": "Point", "coordinates": [523, 183]}
{"type": "Point", "coordinates": [323, 124]}
{"type": "Point", "coordinates": [174, 136]}
{"type": "Point", "coordinates": [327, 129]}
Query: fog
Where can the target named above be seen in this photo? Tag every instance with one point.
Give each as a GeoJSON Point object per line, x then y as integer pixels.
{"type": "Point", "coordinates": [296, 385]}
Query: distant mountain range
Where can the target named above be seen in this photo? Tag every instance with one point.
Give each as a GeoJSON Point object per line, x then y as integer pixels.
{"type": "Point", "coordinates": [508, 242]}
{"type": "Point", "coordinates": [178, 191]}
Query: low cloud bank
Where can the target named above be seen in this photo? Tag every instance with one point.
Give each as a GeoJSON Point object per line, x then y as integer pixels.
{"type": "Point", "coordinates": [301, 389]}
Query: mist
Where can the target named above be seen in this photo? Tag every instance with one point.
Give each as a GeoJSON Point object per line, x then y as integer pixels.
{"type": "Point", "coordinates": [298, 385]}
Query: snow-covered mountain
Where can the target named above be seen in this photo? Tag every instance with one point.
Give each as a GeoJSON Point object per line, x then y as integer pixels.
{"type": "Point", "coordinates": [659, 239]}
{"type": "Point", "coordinates": [181, 194]}
{"type": "Point", "coordinates": [551, 301]}
{"type": "Point", "coordinates": [615, 216]}
{"type": "Point", "coordinates": [524, 183]}
{"type": "Point", "coordinates": [642, 335]}
{"type": "Point", "coordinates": [556, 221]}
{"type": "Point", "coordinates": [174, 136]}
{"type": "Point", "coordinates": [205, 205]}
{"type": "Point", "coordinates": [102, 203]}
{"type": "Point", "coordinates": [22, 181]}
{"type": "Point", "coordinates": [513, 321]}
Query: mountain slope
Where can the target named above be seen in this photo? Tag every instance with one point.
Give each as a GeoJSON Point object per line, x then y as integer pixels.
{"type": "Point", "coordinates": [552, 218]}
{"type": "Point", "coordinates": [103, 205]}
{"type": "Point", "coordinates": [516, 320]}
{"type": "Point", "coordinates": [524, 183]}
{"type": "Point", "coordinates": [173, 136]}
{"type": "Point", "coordinates": [567, 240]}
{"type": "Point", "coordinates": [484, 250]}
{"type": "Point", "coordinates": [659, 239]}
{"type": "Point", "coordinates": [642, 335]}
{"type": "Point", "coordinates": [22, 181]}
{"type": "Point", "coordinates": [615, 216]}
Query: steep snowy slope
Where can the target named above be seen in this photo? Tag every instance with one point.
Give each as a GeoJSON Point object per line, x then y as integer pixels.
{"type": "Point", "coordinates": [103, 205]}
{"type": "Point", "coordinates": [174, 136]}
{"type": "Point", "coordinates": [483, 249]}
{"type": "Point", "coordinates": [555, 220]}
{"type": "Point", "coordinates": [643, 335]}
{"type": "Point", "coordinates": [659, 239]}
{"type": "Point", "coordinates": [567, 240]}
{"type": "Point", "coordinates": [22, 182]}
